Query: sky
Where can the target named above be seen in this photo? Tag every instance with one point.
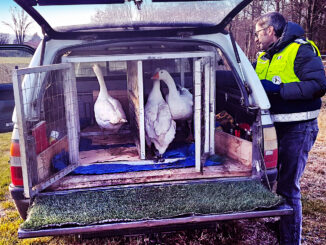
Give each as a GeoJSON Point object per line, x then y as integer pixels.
{"type": "Point", "coordinates": [66, 14]}
{"type": "Point", "coordinates": [5, 15]}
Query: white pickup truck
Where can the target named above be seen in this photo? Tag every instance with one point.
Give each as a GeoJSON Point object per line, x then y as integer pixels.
{"type": "Point", "coordinates": [70, 176]}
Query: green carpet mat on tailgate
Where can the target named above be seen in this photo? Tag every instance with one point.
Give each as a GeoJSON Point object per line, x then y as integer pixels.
{"type": "Point", "coordinates": [147, 202]}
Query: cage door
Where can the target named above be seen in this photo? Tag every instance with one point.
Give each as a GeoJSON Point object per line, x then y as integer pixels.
{"type": "Point", "coordinates": [202, 111]}
{"type": "Point", "coordinates": [47, 117]}
{"type": "Point", "coordinates": [198, 68]}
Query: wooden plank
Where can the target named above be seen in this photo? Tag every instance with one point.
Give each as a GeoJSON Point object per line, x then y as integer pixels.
{"type": "Point", "coordinates": [136, 104]}
{"type": "Point", "coordinates": [234, 147]}
{"type": "Point", "coordinates": [197, 113]}
{"type": "Point", "coordinates": [95, 130]}
{"type": "Point", "coordinates": [132, 90]}
{"type": "Point", "coordinates": [72, 115]}
{"type": "Point", "coordinates": [230, 168]}
{"type": "Point", "coordinates": [134, 108]}
{"type": "Point", "coordinates": [45, 68]}
{"type": "Point", "coordinates": [137, 57]}
{"type": "Point", "coordinates": [212, 100]}
{"type": "Point", "coordinates": [44, 158]}
{"type": "Point", "coordinates": [113, 139]}
{"type": "Point", "coordinates": [109, 155]}
{"type": "Point", "coordinates": [22, 129]}
{"type": "Point", "coordinates": [206, 106]}
{"type": "Point", "coordinates": [140, 82]}
{"type": "Point", "coordinates": [182, 72]}
{"type": "Point", "coordinates": [54, 178]}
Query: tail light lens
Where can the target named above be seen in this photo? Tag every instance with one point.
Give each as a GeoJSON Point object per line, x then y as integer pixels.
{"type": "Point", "coordinates": [15, 164]}
{"type": "Point", "coordinates": [16, 176]}
{"type": "Point", "coordinates": [14, 148]}
{"type": "Point", "coordinates": [270, 147]}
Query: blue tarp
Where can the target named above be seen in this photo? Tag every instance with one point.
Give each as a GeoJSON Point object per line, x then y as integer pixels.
{"type": "Point", "coordinates": [177, 150]}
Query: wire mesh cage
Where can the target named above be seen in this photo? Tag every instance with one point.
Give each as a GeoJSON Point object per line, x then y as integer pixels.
{"type": "Point", "coordinates": [53, 110]}
{"type": "Point", "coordinates": [47, 112]}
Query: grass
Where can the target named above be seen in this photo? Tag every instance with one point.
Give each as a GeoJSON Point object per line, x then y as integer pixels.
{"type": "Point", "coordinates": [7, 64]}
{"type": "Point", "coordinates": [313, 207]}
{"type": "Point", "coordinates": [314, 221]}
{"type": "Point", "coordinates": [313, 188]}
{"type": "Point", "coordinates": [15, 60]}
{"type": "Point", "coordinates": [4, 166]}
{"type": "Point", "coordinates": [9, 217]}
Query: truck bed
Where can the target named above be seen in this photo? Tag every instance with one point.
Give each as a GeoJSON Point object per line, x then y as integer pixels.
{"type": "Point", "coordinates": [236, 153]}
{"type": "Point", "coordinates": [230, 168]}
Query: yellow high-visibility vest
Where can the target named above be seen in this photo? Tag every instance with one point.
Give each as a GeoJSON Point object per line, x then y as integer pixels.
{"type": "Point", "coordinates": [281, 68]}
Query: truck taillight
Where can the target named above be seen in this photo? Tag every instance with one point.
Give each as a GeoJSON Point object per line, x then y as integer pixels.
{"type": "Point", "coordinates": [15, 164]}
{"type": "Point", "coordinates": [16, 176]}
{"type": "Point", "coordinates": [270, 147]}
{"type": "Point", "coordinates": [14, 148]}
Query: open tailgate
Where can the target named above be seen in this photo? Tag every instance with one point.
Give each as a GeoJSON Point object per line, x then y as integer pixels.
{"type": "Point", "coordinates": [135, 209]}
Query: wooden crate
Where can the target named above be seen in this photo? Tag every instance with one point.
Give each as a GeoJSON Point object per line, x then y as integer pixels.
{"type": "Point", "coordinates": [204, 77]}
{"type": "Point", "coordinates": [233, 147]}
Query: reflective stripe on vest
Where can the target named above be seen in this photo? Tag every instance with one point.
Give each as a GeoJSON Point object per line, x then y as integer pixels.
{"type": "Point", "coordinates": [294, 117]}
{"type": "Point", "coordinates": [281, 70]}
{"type": "Point", "coordinates": [315, 48]}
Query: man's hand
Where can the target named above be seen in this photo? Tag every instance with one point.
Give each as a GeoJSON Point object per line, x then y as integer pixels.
{"type": "Point", "coordinates": [270, 87]}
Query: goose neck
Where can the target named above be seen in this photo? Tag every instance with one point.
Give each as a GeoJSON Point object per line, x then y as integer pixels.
{"type": "Point", "coordinates": [103, 88]}
{"type": "Point", "coordinates": [156, 90]}
{"type": "Point", "coordinates": [170, 83]}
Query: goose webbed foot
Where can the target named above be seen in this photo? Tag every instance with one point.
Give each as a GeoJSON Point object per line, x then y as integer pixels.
{"type": "Point", "coordinates": [158, 157]}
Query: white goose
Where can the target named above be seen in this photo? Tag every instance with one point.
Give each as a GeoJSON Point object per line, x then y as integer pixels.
{"type": "Point", "coordinates": [108, 111]}
{"type": "Point", "coordinates": [159, 126]}
{"type": "Point", "coordinates": [180, 102]}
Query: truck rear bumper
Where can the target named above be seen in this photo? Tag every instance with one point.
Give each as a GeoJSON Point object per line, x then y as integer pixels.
{"type": "Point", "coordinates": [22, 203]}
{"type": "Point", "coordinates": [146, 226]}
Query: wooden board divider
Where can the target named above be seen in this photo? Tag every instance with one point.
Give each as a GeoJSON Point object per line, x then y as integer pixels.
{"type": "Point", "coordinates": [197, 113]}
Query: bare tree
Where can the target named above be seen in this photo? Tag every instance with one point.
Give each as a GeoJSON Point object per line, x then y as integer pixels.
{"type": "Point", "coordinates": [4, 38]}
{"type": "Point", "coordinates": [310, 14]}
{"type": "Point", "coordinates": [20, 24]}
{"type": "Point", "coordinates": [243, 27]}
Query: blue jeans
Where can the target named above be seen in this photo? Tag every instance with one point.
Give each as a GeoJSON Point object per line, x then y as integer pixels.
{"type": "Point", "coordinates": [294, 143]}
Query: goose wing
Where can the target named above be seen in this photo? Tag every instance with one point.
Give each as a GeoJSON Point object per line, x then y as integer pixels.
{"type": "Point", "coordinates": [118, 109]}
{"type": "Point", "coordinates": [104, 112]}
{"type": "Point", "coordinates": [164, 119]}
{"type": "Point", "coordinates": [150, 117]}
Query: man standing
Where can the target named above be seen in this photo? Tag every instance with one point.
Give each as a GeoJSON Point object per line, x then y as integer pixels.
{"type": "Point", "coordinates": [292, 74]}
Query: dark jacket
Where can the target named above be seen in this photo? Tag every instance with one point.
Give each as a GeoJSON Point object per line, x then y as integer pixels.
{"type": "Point", "coordinates": [304, 95]}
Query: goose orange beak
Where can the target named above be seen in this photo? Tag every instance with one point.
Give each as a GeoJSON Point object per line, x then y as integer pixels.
{"type": "Point", "coordinates": [155, 76]}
